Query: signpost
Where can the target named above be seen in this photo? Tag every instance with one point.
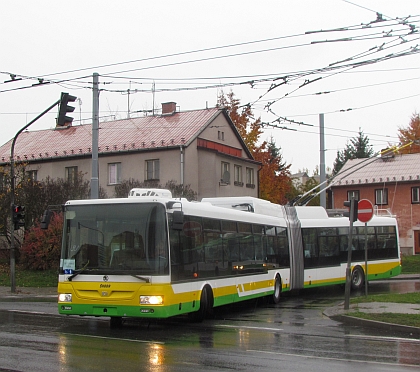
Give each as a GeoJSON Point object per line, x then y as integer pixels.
{"type": "Point", "coordinates": [365, 215]}
{"type": "Point", "coordinates": [365, 211]}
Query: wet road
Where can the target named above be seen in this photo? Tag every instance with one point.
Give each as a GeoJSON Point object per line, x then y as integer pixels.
{"type": "Point", "coordinates": [292, 336]}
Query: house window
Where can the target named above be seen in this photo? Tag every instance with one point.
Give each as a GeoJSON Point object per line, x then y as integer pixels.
{"type": "Point", "coordinates": [221, 135]}
{"type": "Point", "coordinates": [225, 173]}
{"type": "Point", "coordinates": [415, 195]}
{"type": "Point", "coordinates": [238, 176]}
{"type": "Point", "coordinates": [114, 173]}
{"type": "Point", "coordinates": [250, 178]}
{"type": "Point", "coordinates": [354, 193]}
{"type": "Point", "coordinates": [152, 170]}
{"type": "Point", "coordinates": [32, 175]}
{"type": "Point", "coordinates": [71, 174]}
{"type": "Point", "coordinates": [381, 196]}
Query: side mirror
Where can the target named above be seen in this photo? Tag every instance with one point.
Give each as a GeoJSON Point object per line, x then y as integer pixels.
{"type": "Point", "coordinates": [177, 220]}
{"type": "Point", "coordinates": [46, 218]}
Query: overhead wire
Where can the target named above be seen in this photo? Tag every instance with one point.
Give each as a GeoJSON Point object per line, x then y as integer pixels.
{"type": "Point", "coordinates": [287, 78]}
{"type": "Point", "coordinates": [196, 51]}
{"type": "Point", "coordinates": [170, 55]}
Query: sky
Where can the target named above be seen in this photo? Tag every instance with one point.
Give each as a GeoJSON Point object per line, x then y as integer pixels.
{"type": "Point", "coordinates": [356, 62]}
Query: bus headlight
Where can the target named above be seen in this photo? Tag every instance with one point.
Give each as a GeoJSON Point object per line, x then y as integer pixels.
{"type": "Point", "coordinates": [64, 297]}
{"type": "Point", "coordinates": [151, 300]}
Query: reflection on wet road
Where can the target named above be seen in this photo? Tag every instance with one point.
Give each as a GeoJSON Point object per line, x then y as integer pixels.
{"type": "Point", "coordinates": [293, 335]}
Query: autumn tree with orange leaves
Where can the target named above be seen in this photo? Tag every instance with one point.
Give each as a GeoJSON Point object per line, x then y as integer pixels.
{"type": "Point", "coordinates": [275, 183]}
{"type": "Point", "coordinates": [410, 134]}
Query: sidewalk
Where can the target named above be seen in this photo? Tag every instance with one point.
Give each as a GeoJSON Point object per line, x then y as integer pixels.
{"type": "Point", "coordinates": [345, 316]}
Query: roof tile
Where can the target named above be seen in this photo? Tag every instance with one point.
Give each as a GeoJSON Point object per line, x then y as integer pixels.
{"type": "Point", "coordinates": [135, 133]}
{"type": "Point", "coordinates": [400, 168]}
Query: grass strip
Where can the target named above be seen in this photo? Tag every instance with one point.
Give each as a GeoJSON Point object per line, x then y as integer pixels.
{"type": "Point", "coordinates": [403, 298]}
{"type": "Point", "coordinates": [28, 278]}
{"type": "Point", "coordinates": [410, 264]}
{"type": "Point", "coordinates": [412, 320]}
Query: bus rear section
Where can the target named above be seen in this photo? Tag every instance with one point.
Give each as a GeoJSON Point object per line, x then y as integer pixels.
{"type": "Point", "coordinates": [325, 244]}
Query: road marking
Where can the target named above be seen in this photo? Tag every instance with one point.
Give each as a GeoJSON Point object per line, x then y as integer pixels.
{"type": "Point", "coordinates": [385, 338]}
{"type": "Point", "coordinates": [113, 338]}
{"type": "Point", "coordinates": [27, 312]}
{"type": "Point", "coordinates": [337, 359]}
{"type": "Point", "coordinates": [248, 327]}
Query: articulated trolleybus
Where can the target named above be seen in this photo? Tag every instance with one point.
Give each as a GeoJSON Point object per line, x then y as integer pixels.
{"type": "Point", "coordinates": [152, 256]}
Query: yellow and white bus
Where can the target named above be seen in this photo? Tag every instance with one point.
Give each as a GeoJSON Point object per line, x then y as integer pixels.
{"type": "Point", "coordinates": [152, 256]}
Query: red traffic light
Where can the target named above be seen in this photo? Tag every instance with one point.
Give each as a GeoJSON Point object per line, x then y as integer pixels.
{"type": "Point", "coordinates": [18, 216]}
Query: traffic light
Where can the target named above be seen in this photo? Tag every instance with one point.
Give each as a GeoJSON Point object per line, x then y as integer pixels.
{"type": "Point", "coordinates": [352, 205]}
{"type": "Point", "coordinates": [64, 108]}
{"type": "Point", "coordinates": [18, 216]}
{"type": "Point", "coordinates": [46, 218]}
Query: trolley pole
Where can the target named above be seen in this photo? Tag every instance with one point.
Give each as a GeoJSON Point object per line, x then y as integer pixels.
{"type": "Point", "coordinates": [12, 197]}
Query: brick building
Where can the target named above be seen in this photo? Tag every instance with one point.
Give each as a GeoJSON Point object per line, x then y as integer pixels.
{"type": "Point", "coordinates": [392, 184]}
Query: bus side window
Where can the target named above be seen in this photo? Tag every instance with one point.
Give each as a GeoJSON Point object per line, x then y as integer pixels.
{"type": "Point", "coordinates": [310, 247]}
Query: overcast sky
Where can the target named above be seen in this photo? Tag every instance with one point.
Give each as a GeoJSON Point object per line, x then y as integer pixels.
{"type": "Point", "coordinates": [362, 70]}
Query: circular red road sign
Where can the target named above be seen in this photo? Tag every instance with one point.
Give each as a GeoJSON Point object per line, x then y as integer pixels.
{"type": "Point", "coordinates": [365, 210]}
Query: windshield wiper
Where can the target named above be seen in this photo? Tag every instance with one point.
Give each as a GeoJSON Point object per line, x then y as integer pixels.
{"type": "Point", "coordinates": [77, 272]}
{"type": "Point", "coordinates": [147, 280]}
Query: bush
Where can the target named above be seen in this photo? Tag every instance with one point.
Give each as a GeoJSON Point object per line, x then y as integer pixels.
{"type": "Point", "coordinates": [41, 248]}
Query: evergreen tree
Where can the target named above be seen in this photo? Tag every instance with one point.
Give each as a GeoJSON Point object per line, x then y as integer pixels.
{"type": "Point", "coordinates": [357, 148]}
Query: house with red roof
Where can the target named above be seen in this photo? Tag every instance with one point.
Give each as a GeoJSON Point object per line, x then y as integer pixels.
{"type": "Point", "coordinates": [200, 148]}
{"type": "Point", "coordinates": [392, 184]}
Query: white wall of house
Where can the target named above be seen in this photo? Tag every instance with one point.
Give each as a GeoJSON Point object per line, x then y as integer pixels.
{"type": "Point", "coordinates": [202, 168]}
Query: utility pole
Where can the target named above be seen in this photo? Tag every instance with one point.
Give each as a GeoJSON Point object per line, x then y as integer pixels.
{"type": "Point", "coordinates": [153, 101]}
{"type": "Point", "coordinates": [94, 183]}
{"type": "Point", "coordinates": [323, 198]}
{"type": "Point", "coordinates": [128, 101]}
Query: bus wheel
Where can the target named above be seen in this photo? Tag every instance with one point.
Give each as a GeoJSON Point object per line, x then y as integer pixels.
{"type": "Point", "coordinates": [116, 322]}
{"type": "Point", "coordinates": [277, 290]}
{"type": "Point", "coordinates": [205, 305]}
{"type": "Point", "coordinates": [357, 278]}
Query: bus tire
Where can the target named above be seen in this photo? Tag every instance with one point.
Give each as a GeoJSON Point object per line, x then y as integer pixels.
{"type": "Point", "coordinates": [357, 278]}
{"type": "Point", "coordinates": [275, 297]}
{"type": "Point", "coordinates": [206, 305]}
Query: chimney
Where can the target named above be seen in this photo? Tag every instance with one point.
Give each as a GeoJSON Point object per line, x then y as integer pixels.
{"type": "Point", "coordinates": [168, 108]}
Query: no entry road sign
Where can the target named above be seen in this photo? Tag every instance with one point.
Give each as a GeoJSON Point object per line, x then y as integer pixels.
{"type": "Point", "coordinates": [365, 210]}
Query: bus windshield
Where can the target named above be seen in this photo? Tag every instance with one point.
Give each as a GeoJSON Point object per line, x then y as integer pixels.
{"type": "Point", "coordinates": [115, 238]}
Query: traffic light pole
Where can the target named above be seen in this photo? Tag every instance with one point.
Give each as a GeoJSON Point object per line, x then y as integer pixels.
{"type": "Point", "coordinates": [12, 197]}
{"type": "Point", "coordinates": [350, 246]}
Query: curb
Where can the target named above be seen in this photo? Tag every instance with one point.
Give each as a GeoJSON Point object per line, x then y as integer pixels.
{"type": "Point", "coordinates": [405, 277]}
{"type": "Point", "coordinates": [348, 319]}
{"type": "Point", "coordinates": [344, 316]}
